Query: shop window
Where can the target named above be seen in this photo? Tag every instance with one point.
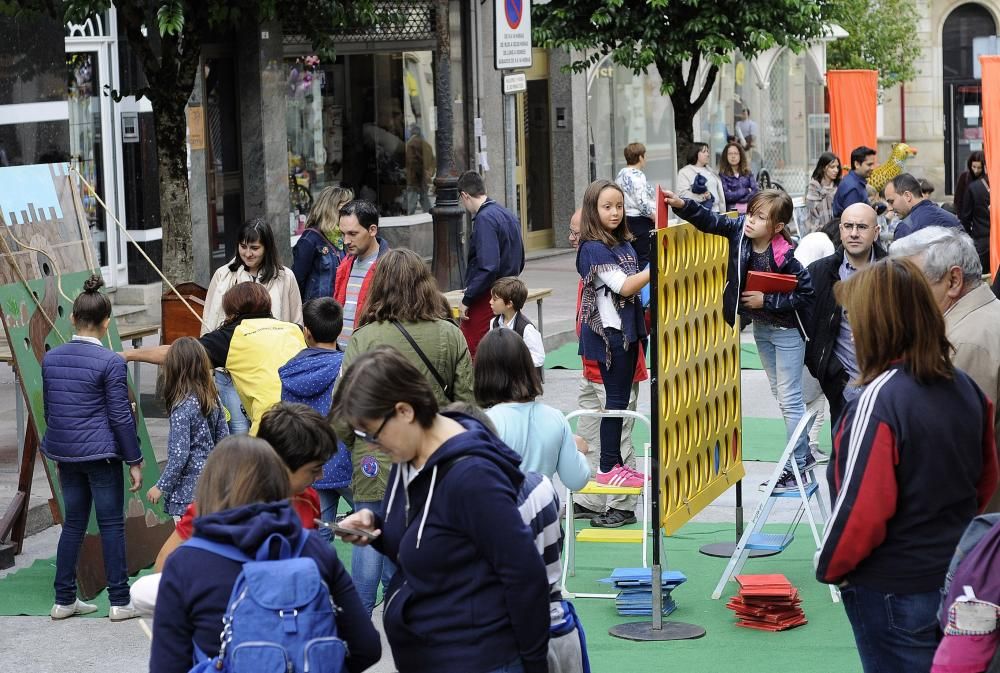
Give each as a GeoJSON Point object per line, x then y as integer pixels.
{"type": "Point", "coordinates": [365, 122]}
{"type": "Point", "coordinates": [624, 108]}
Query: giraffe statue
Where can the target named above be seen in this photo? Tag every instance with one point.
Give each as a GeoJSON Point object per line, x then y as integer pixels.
{"type": "Point", "coordinates": [891, 168]}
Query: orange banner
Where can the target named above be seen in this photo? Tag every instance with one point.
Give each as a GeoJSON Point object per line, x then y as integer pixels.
{"type": "Point", "coordinates": [853, 98]}
{"type": "Point", "coordinates": [991, 138]}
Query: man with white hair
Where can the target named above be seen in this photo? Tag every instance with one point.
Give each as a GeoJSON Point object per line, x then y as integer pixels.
{"type": "Point", "coordinates": [951, 265]}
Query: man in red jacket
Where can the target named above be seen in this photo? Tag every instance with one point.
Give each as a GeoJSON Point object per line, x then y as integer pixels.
{"type": "Point", "coordinates": [359, 225]}
{"type": "Point", "coordinates": [603, 511]}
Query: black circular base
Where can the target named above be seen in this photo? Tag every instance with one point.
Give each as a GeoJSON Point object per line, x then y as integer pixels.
{"type": "Point", "coordinates": [644, 631]}
{"type": "Point", "coordinates": [726, 549]}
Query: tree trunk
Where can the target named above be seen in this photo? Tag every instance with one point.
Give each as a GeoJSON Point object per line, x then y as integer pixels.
{"type": "Point", "coordinates": [683, 126]}
{"type": "Point", "coordinates": [175, 195]}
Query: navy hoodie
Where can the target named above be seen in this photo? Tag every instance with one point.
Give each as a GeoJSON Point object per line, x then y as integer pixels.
{"type": "Point", "coordinates": [308, 378]}
{"type": "Point", "coordinates": [195, 587]}
{"type": "Point", "coordinates": [470, 593]}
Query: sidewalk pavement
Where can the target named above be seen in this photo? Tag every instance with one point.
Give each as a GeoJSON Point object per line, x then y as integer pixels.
{"type": "Point", "coordinates": [97, 646]}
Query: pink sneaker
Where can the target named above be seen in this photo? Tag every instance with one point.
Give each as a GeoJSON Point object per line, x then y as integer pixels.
{"type": "Point", "coordinates": [619, 476]}
{"type": "Point", "coordinates": [637, 473]}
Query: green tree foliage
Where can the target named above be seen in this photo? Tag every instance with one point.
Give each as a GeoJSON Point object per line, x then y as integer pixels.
{"type": "Point", "coordinates": [686, 40]}
{"type": "Point", "coordinates": [166, 37]}
{"type": "Point", "coordinates": [882, 36]}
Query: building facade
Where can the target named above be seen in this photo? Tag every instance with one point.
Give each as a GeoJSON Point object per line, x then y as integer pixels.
{"type": "Point", "coordinates": [939, 112]}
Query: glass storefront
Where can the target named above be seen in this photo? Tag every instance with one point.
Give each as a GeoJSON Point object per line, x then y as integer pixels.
{"type": "Point", "coordinates": [83, 90]}
{"type": "Point", "coordinates": [787, 114]}
{"type": "Point", "coordinates": [365, 122]}
{"type": "Point", "coordinates": [368, 122]}
{"type": "Point", "coordinates": [624, 108]}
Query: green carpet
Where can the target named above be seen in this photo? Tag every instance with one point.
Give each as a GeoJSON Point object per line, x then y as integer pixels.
{"type": "Point", "coordinates": [29, 592]}
{"type": "Point", "coordinates": [764, 438]}
{"type": "Point", "coordinates": [566, 357]}
{"type": "Point", "coordinates": [749, 358]}
{"type": "Point", "coordinates": [823, 645]}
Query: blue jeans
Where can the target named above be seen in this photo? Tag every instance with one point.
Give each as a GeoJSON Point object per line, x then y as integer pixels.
{"type": "Point", "coordinates": [239, 424]}
{"type": "Point", "coordinates": [617, 389]}
{"type": "Point", "coordinates": [101, 483]}
{"type": "Point", "coordinates": [782, 352]}
{"type": "Point", "coordinates": [368, 566]}
{"type": "Point", "coordinates": [515, 666]}
{"type": "Point", "coordinates": [895, 633]}
{"type": "Point", "coordinates": [329, 502]}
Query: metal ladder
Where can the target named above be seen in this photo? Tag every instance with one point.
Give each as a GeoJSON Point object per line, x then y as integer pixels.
{"type": "Point", "coordinates": [607, 535]}
{"type": "Point", "coordinates": [807, 488]}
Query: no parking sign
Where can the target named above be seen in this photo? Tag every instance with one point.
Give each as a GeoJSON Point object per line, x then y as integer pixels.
{"type": "Point", "coordinates": [513, 34]}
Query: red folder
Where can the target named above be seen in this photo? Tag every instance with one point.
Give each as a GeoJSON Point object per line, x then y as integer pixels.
{"type": "Point", "coordinates": [661, 209]}
{"type": "Point", "coordinates": [770, 283]}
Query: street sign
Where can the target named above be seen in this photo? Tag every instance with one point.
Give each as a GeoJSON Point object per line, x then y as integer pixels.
{"type": "Point", "coordinates": [515, 83]}
{"type": "Point", "coordinates": [512, 34]}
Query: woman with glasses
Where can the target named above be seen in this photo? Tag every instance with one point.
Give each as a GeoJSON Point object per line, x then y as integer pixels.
{"type": "Point", "coordinates": [404, 309]}
{"type": "Point", "coordinates": [470, 594]}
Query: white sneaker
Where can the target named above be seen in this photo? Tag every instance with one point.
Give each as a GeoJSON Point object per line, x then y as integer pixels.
{"type": "Point", "coordinates": [76, 608]}
{"type": "Point", "coordinates": [119, 613]}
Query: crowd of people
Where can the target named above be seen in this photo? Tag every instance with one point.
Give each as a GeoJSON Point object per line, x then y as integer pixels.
{"type": "Point", "coordinates": [346, 383]}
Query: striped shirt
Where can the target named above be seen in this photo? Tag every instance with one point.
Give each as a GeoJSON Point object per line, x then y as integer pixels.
{"type": "Point", "coordinates": [359, 270]}
{"type": "Point", "coordinates": [538, 504]}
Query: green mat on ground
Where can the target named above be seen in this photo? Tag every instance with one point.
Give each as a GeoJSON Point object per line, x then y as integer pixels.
{"type": "Point", "coordinates": [764, 438]}
{"type": "Point", "coordinates": [749, 358]}
{"type": "Point", "coordinates": [566, 357]}
{"type": "Point", "coordinates": [824, 644]}
{"type": "Point", "coordinates": [28, 592]}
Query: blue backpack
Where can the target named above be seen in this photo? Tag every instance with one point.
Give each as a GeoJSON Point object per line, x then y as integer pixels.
{"type": "Point", "coordinates": [281, 617]}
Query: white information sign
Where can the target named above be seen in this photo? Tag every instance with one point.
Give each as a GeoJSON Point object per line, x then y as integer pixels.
{"type": "Point", "coordinates": [512, 47]}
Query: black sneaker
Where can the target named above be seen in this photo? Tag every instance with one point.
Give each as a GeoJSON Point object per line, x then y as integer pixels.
{"type": "Point", "coordinates": [786, 482]}
{"type": "Point", "coordinates": [613, 518]}
{"type": "Point", "coordinates": [581, 512]}
{"type": "Point", "coordinates": [810, 464]}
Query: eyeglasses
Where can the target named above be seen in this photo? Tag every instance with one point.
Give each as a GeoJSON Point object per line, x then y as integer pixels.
{"type": "Point", "coordinates": [373, 438]}
{"type": "Point", "coordinates": [860, 227]}
{"type": "Point", "coordinates": [574, 234]}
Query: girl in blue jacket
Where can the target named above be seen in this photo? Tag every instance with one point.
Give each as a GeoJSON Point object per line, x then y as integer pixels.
{"type": "Point", "coordinates": [759, 241]}
{"type": "Point", "coordinates": [90, 430]}
{"type": "Point", "coordinates": [197, 423]}
{"type": "Point", "coordinates": [470, 594]}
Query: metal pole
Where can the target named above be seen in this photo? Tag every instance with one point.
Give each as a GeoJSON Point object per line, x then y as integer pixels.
{"type": "Point", "coordinates": [447, 215]}
{"type": "Point", "coordinates": [510, 150]}
{"type": "Point", "coordinates": [655, 433]}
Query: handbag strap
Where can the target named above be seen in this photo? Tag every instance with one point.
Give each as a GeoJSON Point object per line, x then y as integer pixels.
{"type": "Point", "coordinates": [426, 361]}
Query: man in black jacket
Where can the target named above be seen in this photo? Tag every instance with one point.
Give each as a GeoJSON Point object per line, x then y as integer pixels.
{"type": "Point", "coordinates": [830, 354]}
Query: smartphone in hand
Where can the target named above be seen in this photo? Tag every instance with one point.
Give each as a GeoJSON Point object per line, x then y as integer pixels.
{"type": "Point", "coordinates": [344, 531]}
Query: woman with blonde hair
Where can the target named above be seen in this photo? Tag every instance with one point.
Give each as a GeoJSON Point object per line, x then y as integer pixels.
{"type": "Point", "coordinates": [320, 248]}
{"type": "Point", "coordinates": [914, 460]}
{"type": "Point", "coordinates": [405, 310]}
